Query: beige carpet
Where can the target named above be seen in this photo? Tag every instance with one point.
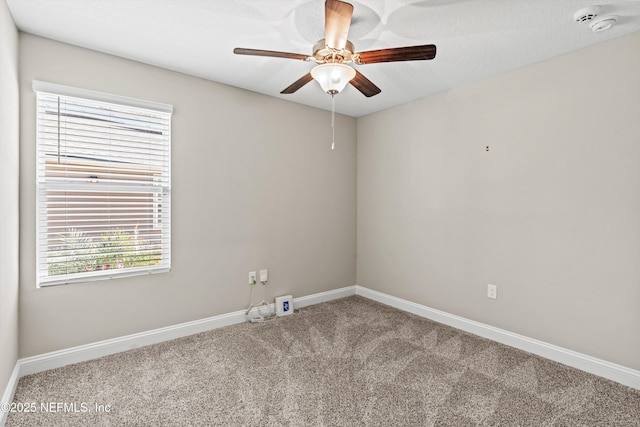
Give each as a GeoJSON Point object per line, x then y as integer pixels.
{"type": "Point", "coordinates": [349, 362]}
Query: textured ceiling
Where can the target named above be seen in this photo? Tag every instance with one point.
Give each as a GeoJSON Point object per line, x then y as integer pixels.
{"type": "Point", "coordinates": [475, 39]}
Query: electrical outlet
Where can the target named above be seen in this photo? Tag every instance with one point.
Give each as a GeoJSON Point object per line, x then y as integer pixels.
{"type": "Point", "coordinates": [492, 291]}
{"type": "Point", "coordinates": [264, 274]}
{"type": "Point", "coordinates": [252, 278]}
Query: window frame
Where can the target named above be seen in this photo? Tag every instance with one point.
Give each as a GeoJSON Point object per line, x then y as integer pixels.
{"type": "Point", "coordinates": [43, 279]}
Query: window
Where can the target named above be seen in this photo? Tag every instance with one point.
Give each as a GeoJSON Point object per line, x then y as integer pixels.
{"type": "Point", "coordinates": [103, 185]}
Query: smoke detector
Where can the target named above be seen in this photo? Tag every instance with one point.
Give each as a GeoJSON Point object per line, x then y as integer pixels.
{"type": "Point", "coordinates": [587, 14]}
{"type": "Point", "coordinates": [602, 23]}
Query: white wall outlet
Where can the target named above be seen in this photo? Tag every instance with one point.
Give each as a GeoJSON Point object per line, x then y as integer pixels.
{"type": "Point", "coordinates": [252, 278]}
{"type": "Point", "coordinates": [492, 291]}
{"type": "Point", "coordinates": [264, 276]}
{"type": "Point", "coordinates": [284, 305]}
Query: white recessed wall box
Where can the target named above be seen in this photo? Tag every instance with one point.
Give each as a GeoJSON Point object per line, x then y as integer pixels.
{"type": "Point", "coordinates": [284, 305]}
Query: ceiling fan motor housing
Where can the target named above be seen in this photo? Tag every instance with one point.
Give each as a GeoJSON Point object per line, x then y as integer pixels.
{"type": "Point", "coordinates": [323, 54]}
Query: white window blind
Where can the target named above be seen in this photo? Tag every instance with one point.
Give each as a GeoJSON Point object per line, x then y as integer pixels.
{"type": "Point", "coordinates": [103, 186]}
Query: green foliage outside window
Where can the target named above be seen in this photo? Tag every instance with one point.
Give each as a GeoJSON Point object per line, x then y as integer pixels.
{"type": "Point", "coordinates": [115, 249]}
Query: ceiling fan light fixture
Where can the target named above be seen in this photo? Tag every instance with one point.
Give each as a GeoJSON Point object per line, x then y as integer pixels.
{"type": "Point", "coordinates": [333, 77]}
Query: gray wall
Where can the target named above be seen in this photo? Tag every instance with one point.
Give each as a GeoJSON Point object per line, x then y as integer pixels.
{"type": "Point", "coordinates": [255, 185]}
{"type": "Point", "coordinates": [550, 214]}
{"type": "Point", "coordinates": [9, 178]}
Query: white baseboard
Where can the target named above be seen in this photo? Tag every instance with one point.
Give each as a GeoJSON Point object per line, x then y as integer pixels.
{"type": "Point", "coordinates": [324, 296]}
{"type": "Point", "coordinates": [82, 353]}
{"type": "Point", "coordinates": [57, 359]}
{"type": "Point", "coordinates": [313, 299]}
{"type": "Point", "coordinates": [602, 368]}
{"type": "Point", "coordinates": [9, 391]}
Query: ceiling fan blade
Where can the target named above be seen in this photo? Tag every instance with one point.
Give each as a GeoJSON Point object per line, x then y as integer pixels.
{"type": "Point", "coordinates": [408, 53]}
{"type": "Point", "coordinates": [337, 20]}
{"type": "Point", "coordinates": [298, 84]}
{"type": "Point", "coordinates": [364, 85]}
{"type": "Point", "coordinates": [271, 53]}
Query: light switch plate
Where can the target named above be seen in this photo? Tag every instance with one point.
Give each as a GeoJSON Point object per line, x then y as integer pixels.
{"type": "Point", "coordinates": [284, 305]}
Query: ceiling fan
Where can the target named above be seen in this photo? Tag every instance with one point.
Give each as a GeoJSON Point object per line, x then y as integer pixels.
{"type": "Point", "coordinates": [335, 51]}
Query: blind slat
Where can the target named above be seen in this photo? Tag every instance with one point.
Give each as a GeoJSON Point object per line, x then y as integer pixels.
{"type": "Point", "coordinates": [104, 189]}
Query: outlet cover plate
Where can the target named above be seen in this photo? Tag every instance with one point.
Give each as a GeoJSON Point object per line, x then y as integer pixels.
{"type": "Point", "coordinates": [492, 291]}
{"type": "Point", "coordinates": [264, 275]}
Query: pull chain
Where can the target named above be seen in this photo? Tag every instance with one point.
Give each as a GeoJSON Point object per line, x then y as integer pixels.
{"type": "Point", "coordinates": [333, 127]}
